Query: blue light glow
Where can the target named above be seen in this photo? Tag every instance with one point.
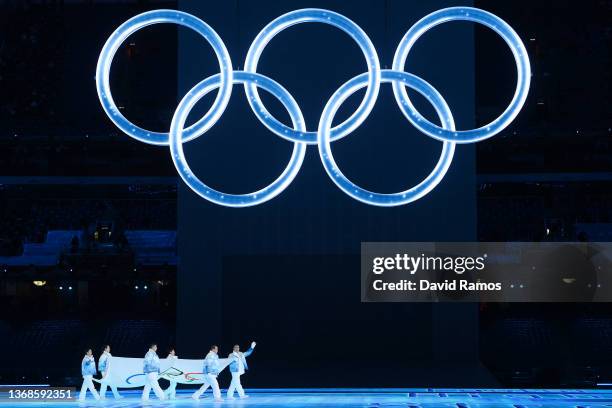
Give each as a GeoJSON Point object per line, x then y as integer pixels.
{"type": "Point", "coordinates": [361, 194]}
{"type": "Point", "coordinates": [157, 17]}
{"type": "Point", "coordinates": [314, 16]}
{"type": "Point", "coordinates": [372, 397]}
{"type": "Point", "coordinates": [522, 66]}
{"type": "Point", "coordinates": [326, 134]}
{"type": "Point", "coordinates": [210, 194]}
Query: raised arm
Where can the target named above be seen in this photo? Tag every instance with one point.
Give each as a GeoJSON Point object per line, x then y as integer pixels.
{"type": "Point", "coordinates": [250, 350]}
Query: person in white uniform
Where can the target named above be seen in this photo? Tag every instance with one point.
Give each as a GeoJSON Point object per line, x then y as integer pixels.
{"type": "Point", "coordinates": [103, 364]}
{"type": "Point", "coordinates": [151, 372]}
{"type": "Point", "coordinates": [210, 370]}
{"type": "Point", "coordinates": [238, 366]}
{"type": "Point", "coordinates": [171, 390]}
{"type": "Point", "coordinates": [88, 370]}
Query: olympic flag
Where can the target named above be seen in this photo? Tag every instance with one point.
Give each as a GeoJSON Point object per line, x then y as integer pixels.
{"type": "Point", "coordinates": [127, 372]}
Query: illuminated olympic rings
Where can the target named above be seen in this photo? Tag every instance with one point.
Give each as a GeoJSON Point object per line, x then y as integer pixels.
{"type": "Point", "coordinates": [298, 134]}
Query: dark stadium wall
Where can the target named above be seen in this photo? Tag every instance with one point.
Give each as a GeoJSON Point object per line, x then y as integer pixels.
{"type": "Point", "coordinates": [286, 273]}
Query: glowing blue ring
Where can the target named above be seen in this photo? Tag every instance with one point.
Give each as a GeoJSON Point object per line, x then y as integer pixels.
{"type": "Point", "coordinates": [210, 194]}
{"type": "Point", "coordinates": [361, 194]}
{"type": "Point", "coordinates": [156, 17]}
{"type": "Point", "coordinates": [311, 15]}
{"type": "Point", "coordinates": [510, 37]}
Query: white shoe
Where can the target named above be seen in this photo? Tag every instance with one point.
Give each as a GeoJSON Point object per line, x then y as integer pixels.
{"type": "Point", "coordinates": [244, 396]}
{"type": "Point", "coordinates": [230, 398]}
{"type": "Point", "coordinates": [195, 397]}
{"type": "Point", "coordinates": [218, 399]}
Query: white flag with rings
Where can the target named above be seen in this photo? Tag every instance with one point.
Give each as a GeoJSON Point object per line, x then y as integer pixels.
{"type": "Point", "coordinates": [126, 372]}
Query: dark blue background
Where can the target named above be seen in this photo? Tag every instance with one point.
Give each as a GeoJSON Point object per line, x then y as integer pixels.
{"type": "Point", "coordinates": [286, 273]}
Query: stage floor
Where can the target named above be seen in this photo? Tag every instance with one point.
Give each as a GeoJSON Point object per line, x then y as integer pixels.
{"type": "Point", "coordinates": [374, 398]}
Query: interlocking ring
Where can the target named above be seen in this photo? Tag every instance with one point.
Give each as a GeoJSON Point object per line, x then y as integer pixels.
{"type": "Point", "coordinates": [522, 67]}
{"type": "Point", "coordinates": [317, 16]}
{"type": "Point", "coordinates": [130, 27]}
{"type": "Point", "coordinates": [325, 133]}
{"type": "Point", "coordinates": [236, 200]}
{"type": "Point", "coordinates": [361, 194]}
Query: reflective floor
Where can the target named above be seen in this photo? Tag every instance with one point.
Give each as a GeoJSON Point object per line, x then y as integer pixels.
{"type": "Point", "coordinates": [370, 398]}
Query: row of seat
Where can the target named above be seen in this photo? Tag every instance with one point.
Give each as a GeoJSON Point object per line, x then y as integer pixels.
{"type": "Point", "coordinates": [151, 247]}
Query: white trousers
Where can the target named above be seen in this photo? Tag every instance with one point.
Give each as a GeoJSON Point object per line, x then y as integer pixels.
{"type": "Point", "coordinates": [88, 385]}
{"type": "Point", "coordinates": [209, 381]}
{"type": "Point", "coordinates": [235, 385]}
{"type": "Point", "coordinates": [171, 390]}
{"type": "Point", "coordinates": [104, 385]}
{"type": "Point", "coordinates": [151, 382]}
